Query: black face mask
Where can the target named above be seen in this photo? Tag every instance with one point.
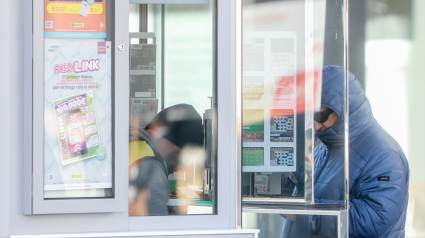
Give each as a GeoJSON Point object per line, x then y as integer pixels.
{"type": "Point", "coordinates": [321, 117]}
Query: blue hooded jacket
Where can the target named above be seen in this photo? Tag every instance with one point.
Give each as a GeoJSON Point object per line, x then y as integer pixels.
{"type": "Point", "coordinates": [379, 171]}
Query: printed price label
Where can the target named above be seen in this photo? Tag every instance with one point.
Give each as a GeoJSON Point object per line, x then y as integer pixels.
{"type": "Point", "coordinates": [262, 183]}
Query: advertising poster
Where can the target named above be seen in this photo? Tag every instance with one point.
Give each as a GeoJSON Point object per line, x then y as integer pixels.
{"type": "Point", "coordinates": [75, 19]}
{"type": "Point", "coordinates": [77, 115]}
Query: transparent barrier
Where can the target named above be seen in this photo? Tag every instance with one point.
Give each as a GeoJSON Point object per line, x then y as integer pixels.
{"type": "Point", "coordinates": [321, 144]}
{"type": "Point", "coordinates": [294, 118]}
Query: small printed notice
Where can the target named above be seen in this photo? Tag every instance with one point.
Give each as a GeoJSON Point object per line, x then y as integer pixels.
{"type": "Point", "coordinates": [262, 183]}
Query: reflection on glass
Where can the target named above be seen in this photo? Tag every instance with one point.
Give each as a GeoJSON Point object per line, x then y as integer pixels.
{"type": "Point", "coordinates": [273, 86]}
{"type": "Point", "coordinates": [283, 55]}
{"type": "Point", "coordinates": [378, 169]}
{"type": "Point", "coordinates": [172, 110]}
{"type": "Point", "coordinates": [171, 142]}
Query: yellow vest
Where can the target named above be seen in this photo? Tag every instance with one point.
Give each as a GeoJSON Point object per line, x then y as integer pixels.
{"type": "Point", "coordinates": [138, 150]}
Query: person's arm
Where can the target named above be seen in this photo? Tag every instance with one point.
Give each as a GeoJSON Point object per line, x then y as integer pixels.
{"type": "Point", "coordinates": [159, 191]}
{"type": "Point", "coordinates": [153, 191]}
{"type": "Point", "coordinates": [378, 203]}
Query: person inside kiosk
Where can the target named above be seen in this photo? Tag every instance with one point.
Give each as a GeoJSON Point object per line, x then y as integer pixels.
{"type": "Point", "coordinates": [379, 171]}
{"type": "Point", "coordinates": [155, 153]}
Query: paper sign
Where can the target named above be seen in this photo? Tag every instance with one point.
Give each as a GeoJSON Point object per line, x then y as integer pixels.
{"type": "Point", "coordinates": [262, 183]}
{"type": "Point", "coordinates": [75, 19]}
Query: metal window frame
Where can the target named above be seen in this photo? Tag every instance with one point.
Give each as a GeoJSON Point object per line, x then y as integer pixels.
{"type": "Point", "coordinates": [228, 130]}
{"type": "Point", "coordinates": [34, 202]}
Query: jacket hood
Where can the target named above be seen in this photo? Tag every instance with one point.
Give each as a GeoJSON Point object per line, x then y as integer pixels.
{"type": "Point", "coordinates": [360, 112]}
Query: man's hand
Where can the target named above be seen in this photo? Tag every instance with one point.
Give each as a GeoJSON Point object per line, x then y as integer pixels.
{"type": "Point", "coordinates": [139, 207]}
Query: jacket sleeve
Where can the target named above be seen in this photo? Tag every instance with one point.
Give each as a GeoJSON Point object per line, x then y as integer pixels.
{"type": "Point", "coordinates": [376, 204]}
{"type": "Point", "coordinates": [152, 180]}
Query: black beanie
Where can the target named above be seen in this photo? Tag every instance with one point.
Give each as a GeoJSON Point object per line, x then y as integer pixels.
{"type": "Point", "coordinates": [181, 125]}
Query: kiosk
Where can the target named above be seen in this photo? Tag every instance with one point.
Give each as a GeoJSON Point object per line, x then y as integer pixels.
{"type": "Point", "coordinates": [90, 75]}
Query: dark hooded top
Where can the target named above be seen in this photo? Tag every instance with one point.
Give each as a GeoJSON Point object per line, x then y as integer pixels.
{"type": "Point", "coordinates": [379, 171]}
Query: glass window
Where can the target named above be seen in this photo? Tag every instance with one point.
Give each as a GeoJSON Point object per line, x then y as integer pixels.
{"type": "Point", "coordinates": [293, 118]}
{"type": "Point", "coordinates": [78, 159]}
{"type": "Point", "coordinates": [172, 109]}
{"type": "Point", "coordinates": [277, 116]}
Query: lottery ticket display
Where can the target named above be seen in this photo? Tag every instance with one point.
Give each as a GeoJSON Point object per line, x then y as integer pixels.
{"type": "Point", "coordinates": [282, 125]}
{"type": "Point", "coordinates": [253, 156]}
{"type": "Point", "coordinates": [253, 88]}
{"type": "Point", "coordinates": [282, 156]}
{"type": "Point", "coordinates": [78, 135]}
{"type": "Point", "coordinates": [253, 129]}
{"type": "Point", "coordinates": [269, 82]}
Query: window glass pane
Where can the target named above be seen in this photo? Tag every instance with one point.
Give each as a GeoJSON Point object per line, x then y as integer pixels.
{"type": "Point", "coordinates": [78, 100]}
{"type": "Point", "coordinates": [172, 109]}
{"type": "Point", "coordinates": [277, 124]}
{"type": "Point", "coordinates": [286, 45]}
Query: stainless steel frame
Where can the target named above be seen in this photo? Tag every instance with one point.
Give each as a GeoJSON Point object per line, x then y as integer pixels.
{"type": "Point", "coordinates": [347, 115]}
{"type": "Point", "coordinates": [309, 106]}
{"type": "Point", "coordinates": [238, 49]}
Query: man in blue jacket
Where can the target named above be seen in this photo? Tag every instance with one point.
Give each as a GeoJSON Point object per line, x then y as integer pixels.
{"type": "Point", "coordinates": [379, 171]}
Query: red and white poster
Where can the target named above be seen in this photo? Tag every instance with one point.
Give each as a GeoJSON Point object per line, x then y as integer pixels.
{"type": "Point", "coordinates": [75, 19]}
